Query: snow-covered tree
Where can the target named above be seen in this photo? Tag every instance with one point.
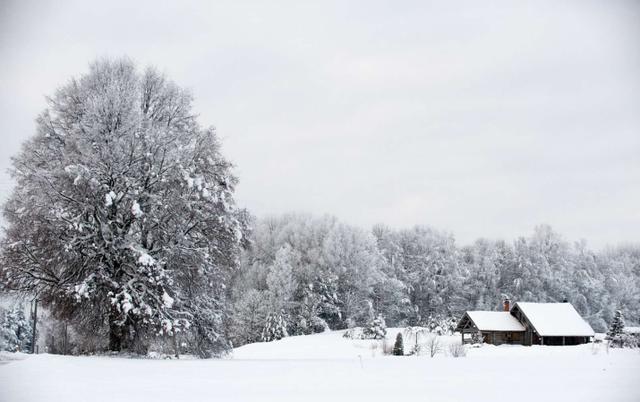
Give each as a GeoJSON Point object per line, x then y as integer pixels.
{"type": "Point", "coordinates": [377, 328]}
{"type": "Point", "coordinates": [281, 281]}
{"type": "Point", "coordinates": [249, 317]}
{"type": "Point", "coordinates": [123, 214]}
{"type": "Point", "coordinates": [275, 328]}
{"type": "Point", "coordinates": [15, 330]}
{"type": "Point", "coordinates": [616, 329]}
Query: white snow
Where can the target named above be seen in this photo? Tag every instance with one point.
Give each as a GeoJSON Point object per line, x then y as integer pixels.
{"type": "Point", "coordinates": [167, 300]}
{"type": "Point", "coordinates": [555, 319]}
{"type": "Point", "coordinates": [329, 368]}
{"type": "Point", "coordinates": [632, 330]}
{"type": "Point", "coordinates": [146, 259]}
{"type": "Point", "coordinates": [81, 290]}
{"type": "Point", "coordinates": [495, 321]}
{"type": "Point", "coordinates": [136, 210]}
{"type": "Point", "coordinates": [109, 198]}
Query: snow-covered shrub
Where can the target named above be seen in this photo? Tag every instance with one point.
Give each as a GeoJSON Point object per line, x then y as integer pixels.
{"type": "Point", "coordinates": [415, 349]}
{"type": "Point", "coordinates": [412, 336]}
{"type": "Point", "coordinates": [433, 345]}
{"type": "Point", "coordinates": [354, 333]}
{"type": "Point", "coordinates": [398, 347]}
{"type": "Point", "coordinates": [457, 349]}
{"type": "Point", "coordinates": [377, 329]}
{"type": "Point", "coordinates": [441, 325]}
{"type": "Point", "coordinates": [386, 346]}
{"type": "Point", "coordinates": [623, 341]}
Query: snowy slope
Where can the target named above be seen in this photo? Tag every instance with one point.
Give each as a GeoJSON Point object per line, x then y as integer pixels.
{"type": "Point", "coordinates": [326, 368]}
{"type": "Point", "coordinates": [327, 345]}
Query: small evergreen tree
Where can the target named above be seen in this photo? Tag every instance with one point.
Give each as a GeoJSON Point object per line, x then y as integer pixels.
{"type": "Point", "coordinates": [377, 328]}
{"type": "Point", "coordinates": [398, 347]}
{"type": "Point", "coordinates": [615, 332]}
{"type": "Point", "coordinates": [15, 330]}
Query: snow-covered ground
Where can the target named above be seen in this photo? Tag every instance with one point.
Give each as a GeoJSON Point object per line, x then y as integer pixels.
{"type": "Point", "coordinates": [328, 367]}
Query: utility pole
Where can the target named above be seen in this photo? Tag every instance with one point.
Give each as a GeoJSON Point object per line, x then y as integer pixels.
{"type": "Point", "coordinates": [35, 323]}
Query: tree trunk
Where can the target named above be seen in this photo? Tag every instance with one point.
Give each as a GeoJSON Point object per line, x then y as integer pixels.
{"type": "Point", "coordinates": [176, 345]}
{"type": "Point", "coordinates": [116, 335]}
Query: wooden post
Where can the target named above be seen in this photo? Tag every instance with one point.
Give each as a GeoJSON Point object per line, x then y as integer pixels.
{"type": "Point", "coordinates": [563, 342]}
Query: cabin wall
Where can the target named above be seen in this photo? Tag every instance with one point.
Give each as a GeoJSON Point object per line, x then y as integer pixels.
{"type": "Point", "coordinates": [529, 336]}
{"type": "Point", "coordinates": [565, 340]}
{"type": "Point", "coordinates": [503, 337]}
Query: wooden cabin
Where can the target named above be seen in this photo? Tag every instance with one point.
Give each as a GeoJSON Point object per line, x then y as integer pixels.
{"type": "Point", "coordinates": [527, 324]}
{"type": "Point", "coordinates": [496, 327]}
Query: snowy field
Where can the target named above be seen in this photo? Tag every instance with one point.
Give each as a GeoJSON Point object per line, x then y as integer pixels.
{"type": "Point", "coordinates": [327, 367]}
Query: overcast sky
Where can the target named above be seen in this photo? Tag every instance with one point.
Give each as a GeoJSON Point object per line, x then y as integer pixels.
{"type": "Point", "coordinates": [480, 118]}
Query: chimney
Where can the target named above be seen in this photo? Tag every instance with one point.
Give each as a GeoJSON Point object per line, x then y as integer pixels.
{"type": "Point", "coordinates": [506, 304]}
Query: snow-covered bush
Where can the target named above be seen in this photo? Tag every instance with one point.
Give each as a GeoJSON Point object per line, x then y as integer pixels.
{"type": "Point", "coordinates": [433, 345]}
{"type": "Point", "coordinates": [354, 333]}
{"type": "Point", "coordinates": [412, 336]}
{"type": "Point", "coordinates": [623, 341]}
{"type": "Point", "coordinates": [441, 325]}
{"type": "Point", "coordinates": [377, 329]}
{"type": "Point", "coordinates": [457, 349]}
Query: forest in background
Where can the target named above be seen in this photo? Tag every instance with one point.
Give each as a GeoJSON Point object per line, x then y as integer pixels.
{"type": "Point", "coordinates": [302, 274]}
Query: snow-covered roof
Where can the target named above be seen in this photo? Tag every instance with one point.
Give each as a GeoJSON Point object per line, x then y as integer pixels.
{"type": "Point", "coordinates": [631, 330]}
{"type": "Point", "coordinates": [495, 321]}
{"type": "Point", "coordinates": [555, 319]}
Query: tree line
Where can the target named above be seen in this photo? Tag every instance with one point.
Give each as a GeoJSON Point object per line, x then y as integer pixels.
{"type": "Point", "coordinates": [313, 273]}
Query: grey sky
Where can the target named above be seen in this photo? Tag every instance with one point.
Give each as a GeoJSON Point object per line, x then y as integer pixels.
{"type": "Point", "coordinates": [483, 120]}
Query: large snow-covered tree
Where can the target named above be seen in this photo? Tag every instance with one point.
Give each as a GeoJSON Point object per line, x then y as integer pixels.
{"type": "Point", "coordinates": [123, 217]}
